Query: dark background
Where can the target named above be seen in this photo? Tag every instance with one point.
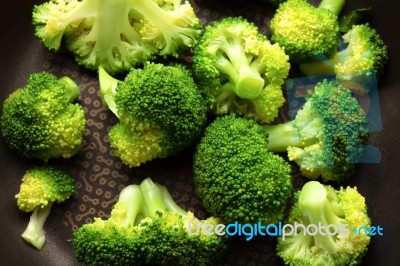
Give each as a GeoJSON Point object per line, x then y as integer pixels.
{"type": "Point", "coordinates": [99, 176]}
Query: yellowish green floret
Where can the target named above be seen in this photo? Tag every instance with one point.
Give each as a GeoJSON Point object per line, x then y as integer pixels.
{"type": "Point", "coordinates": [117, 34]}
{"type": "Point", "coordinates": [160, 109]}
{"type": "Point", "coordinates": [147, 227]}
{"type": "Point", "coordinates": [306, 31]}
{"type": "Point", "coordinates": [327, 136]}
{"type": "Point", "coordinates": [235, 175]}
{"type": "Point", "coordinates": [239, 70]}
{"type": "Point", "coordinates": [323, 206]}
{"type": "Point", "coordinates": [364, 53]}
{"type": "Point", "coordinates": [41, 187]}
{"type": "Point", "coordinates": [40, 119]}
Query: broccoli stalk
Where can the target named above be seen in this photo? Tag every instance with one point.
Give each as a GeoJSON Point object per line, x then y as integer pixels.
{"type": "Point", "coordinates": [147, 227]}
{"type": "Point", "coordinates": [335, 6]}
{"type": "Point", "coordinates": [335, 213]}
{"type": "Point", "coordinates": [72, 91]}
{"type": "Point", "coordinates": [40, 188]}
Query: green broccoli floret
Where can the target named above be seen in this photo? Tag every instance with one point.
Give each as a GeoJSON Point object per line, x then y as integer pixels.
{"type": "Point", "coordinates": [147, 227]}
{"type": "Point", "coordinates": [365, 52]}
{"type": "Point", "coordinates": [236, 177]}
{"type": "Point", "coordinates": [305, 30]}
{"type": "Point", "coordinates": [117, 34]}
{"type": "Point", "coordinates": [239, 70]}
{"type": "Point", "coordinates": [160, 109]}
{"type": "Point", "coordinates": [41, 187]}
{"type": "Point", "coordinates": [40, 121]}
{"type": "Point", "coordinates": [339, 211]}
{"type": "Point", "coordinates": [327, 135]}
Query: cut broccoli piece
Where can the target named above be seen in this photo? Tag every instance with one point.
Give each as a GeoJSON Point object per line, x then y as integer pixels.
{"type": "Point", "coordinates": [323, 206]}
{"type": "Point", "coordinates": [117, 34]}
{"type": "Point", "coordinates": [40, 121]}
{"type": "Point", "coordinates": [239, 70]}
{"type": "Point", "coordinates": [327, 135]}
{"type": "Point", "coordinates": [365, 52]}
{"type": "Point", "coordinates": [41, 187]}
{"type": "Point", "coordinates": [147, 227]}
{"type": "Point", "coordinates": [306, 31]}
{"type": "Point", "coordinates": [236, 177]}
{"type": "Point", "coordinates": [160, 109]}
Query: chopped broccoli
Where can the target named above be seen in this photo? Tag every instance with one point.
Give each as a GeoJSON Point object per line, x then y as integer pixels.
{"type": "Point", "coordinates": [147, 227]}
{"type": "Point", "coordinates": [41, 187]}
{"type": "Point", "coordinates": [160, 109]}
{"type": "Point", "coordinates": [305, 30]}
{"type": "Point", "coordinates": [236, 177]}
{"type": "Point", "coordinates": [117, 34]}
{"type": "Point", "coordinates": [365, 52]}
{"type": "Point", "coordinates": [239, 70]}
{"type": "Point", "coordinates": [317, 204]}
{"type": "Point", "coordinates": [40, 121]}
{"type": "Point", "coordinates": [327, 135]}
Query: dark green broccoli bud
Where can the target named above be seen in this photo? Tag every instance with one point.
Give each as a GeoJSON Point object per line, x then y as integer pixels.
{"type": "Point", "coordinates": [337, 213]}
{"type": "Point", "coordinates": [327, 135]}
{"type": "Point", "coordinates": [365, 52]}
{"type": "Point", "coordinates": [306, 31]}
{"type": "Point", "coordinates": [236, 177]}
{"type": "Point", "coordinates": [117, 34]}
{"type": "Point", "coordinates": [41, 187]}
{"type": "Point", "coordinates": [239, 70]}
{"type": "Point", "coordinates": [147, 227]}
{"type": "Point", "coordinates": [40, 121]}
{"type": "Point", "coordinates": [160, 109]}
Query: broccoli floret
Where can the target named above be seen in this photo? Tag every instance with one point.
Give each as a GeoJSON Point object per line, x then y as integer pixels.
{"type": "Point", "coordinates": [236, 177]}
{"type": "Point", "coordinates": [160, 109]}
{"type": "Point", "coordinates": [117, 34]}
{"type": "Point", "coordinates": [327, 135]}
{"type": "Point", "coordinates": [42, 186]}
{"type": "Point", "coordinates": [147, 227]}
{"type": "Point", "coordinates": [239, 70]}
{"type": "Point", "coordinates": [305, 30]}
{"type": "Point", "coordinates": [40, 121]}
{"type": "Point", "coordinates": [365, 52]}
{"type": "Point", "coordinates": [323, 206]}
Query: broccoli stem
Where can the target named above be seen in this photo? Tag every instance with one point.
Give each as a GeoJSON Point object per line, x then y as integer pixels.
{"type": "Point", "coordinates": [284, 135]}
{"type": "Point", "coordinates": [314, 204]}
{"type": "Point", "coordinates": [248, 82]}
{"type": "Point", "coordinates": [108, 86]}
{"type": "Point", "coordinates": [335, 6]}
{"type": "Point", "coordinates": [72, 89]}
{"type": "Point", "coordinates": [34, 233]}
{"type": "Point", "coordinates": [324, 67]}
{"type": "Point", "coordinates": [158, 199]}
{"type": "Point", "coordinates": [131, 197]}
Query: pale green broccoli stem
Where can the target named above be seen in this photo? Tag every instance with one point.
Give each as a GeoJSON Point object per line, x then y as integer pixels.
{"type": "Point", "coordinates": [34, 233]}
{"type": "Point", "coordinates": [131, 197]}
{"type": "Point", "coordinates": [335, 6]}
{"type": "Point", "coordinates": [248, 84]}
{"type": "Point", "coordinates": [315, 206]}
{"type": "Point", "coordinates": [324, 67]}
{"type": "Point", "coordinates": [158, 199]}
{"type": "Point", "coordinates": [285, 135]}
{"type": "Point", "coordinates": [108, 86]}
{"type": "Point", "coordinates": [72, 89]}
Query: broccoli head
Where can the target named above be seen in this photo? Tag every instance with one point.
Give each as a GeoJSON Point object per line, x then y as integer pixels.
{"type": "Point", "coordinates": [160, 109]}
{"type": "Point", "coordinates": [117, 34]}
{"type": "Point", "coordinates": [147, 227]}
{"type": "Point", "coordinates": [236, 177]}
{"type": "Point", "coordinates": [338, 213]}
{"type": "Point", "coordinates": [364, 52]}
{"type": "Point", "coordinates": [327, 135]}
{"type": "Point", "coordinates": [40, 121]}
{"type": "Point", "coordinates": [239, 70]}
{"type": "Point", "coordinates": [305, 30]}
{"type": "Point", "coordinates": [42, 186]}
